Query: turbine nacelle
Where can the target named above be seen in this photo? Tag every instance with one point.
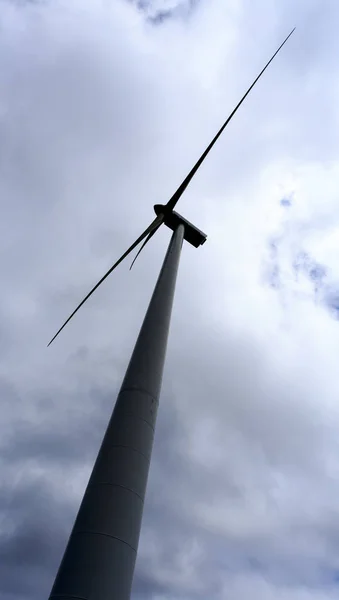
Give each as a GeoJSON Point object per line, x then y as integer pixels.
{"type": "Point", "coordinates": [172, 219]}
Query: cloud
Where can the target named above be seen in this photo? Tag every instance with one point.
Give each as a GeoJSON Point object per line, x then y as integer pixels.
{"type": "Point", "coordinates": [102, 113]}
{"type": "Point", "coordinates": [159, 11]}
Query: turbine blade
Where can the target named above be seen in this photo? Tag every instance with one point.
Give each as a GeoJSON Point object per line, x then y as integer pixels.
{"type": "Point", "coordinates": [172, 202]}
{"type": "Point", "coordinates": [154, 225]}
{"type": "Point", "coordinates": [150, 235]}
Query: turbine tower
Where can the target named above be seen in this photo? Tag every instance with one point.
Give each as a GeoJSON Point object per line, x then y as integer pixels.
{"type": "Point", "coordinates": [99, 559]}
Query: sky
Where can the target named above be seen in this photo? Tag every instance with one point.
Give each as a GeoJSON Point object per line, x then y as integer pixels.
{"type": "Point", "coordinates": [105, 105]}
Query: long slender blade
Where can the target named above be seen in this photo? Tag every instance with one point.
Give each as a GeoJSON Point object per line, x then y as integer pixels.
{"type": "Point", "coordinates": [150, 235]}
{"type": "Point", "coordinates": [153, 226]}
{"type": "Point", "coordinates": [172, 202]}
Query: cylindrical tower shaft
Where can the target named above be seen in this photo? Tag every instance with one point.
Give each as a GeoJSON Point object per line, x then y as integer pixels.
{"type": "Point", "coordinates": [99, 560]}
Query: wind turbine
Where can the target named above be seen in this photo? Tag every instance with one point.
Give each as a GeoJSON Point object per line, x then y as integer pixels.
{"type": "Point", "coordinates": [99, 560]}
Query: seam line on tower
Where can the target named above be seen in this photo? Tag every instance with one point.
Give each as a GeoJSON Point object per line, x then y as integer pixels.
{"type": "Point", "coordinates": [134, 416]}
{"type": "Point", "coordinates": [138, 389]}
{"type": "Point", "coordinates": [129, 448]}
{"type": "Point", "coordinates": [113, 537]}
{"type": "Point", "coordinates": [124, 487]}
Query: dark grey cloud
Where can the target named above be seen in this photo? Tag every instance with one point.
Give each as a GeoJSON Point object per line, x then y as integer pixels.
{"type": "Point", "coordinates": [35, 524]}
{"type": "Point", "coordinates": [158, 12]}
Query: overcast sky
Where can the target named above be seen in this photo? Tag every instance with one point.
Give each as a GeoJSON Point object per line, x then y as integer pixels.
{"type": "Point", "coordinates": [104, 107]}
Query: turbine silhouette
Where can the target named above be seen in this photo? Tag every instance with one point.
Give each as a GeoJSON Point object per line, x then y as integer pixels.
{"type": "Point", "coordinates": [99, 558]}
{"type": "Point", "coordinates": [164, 212]}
